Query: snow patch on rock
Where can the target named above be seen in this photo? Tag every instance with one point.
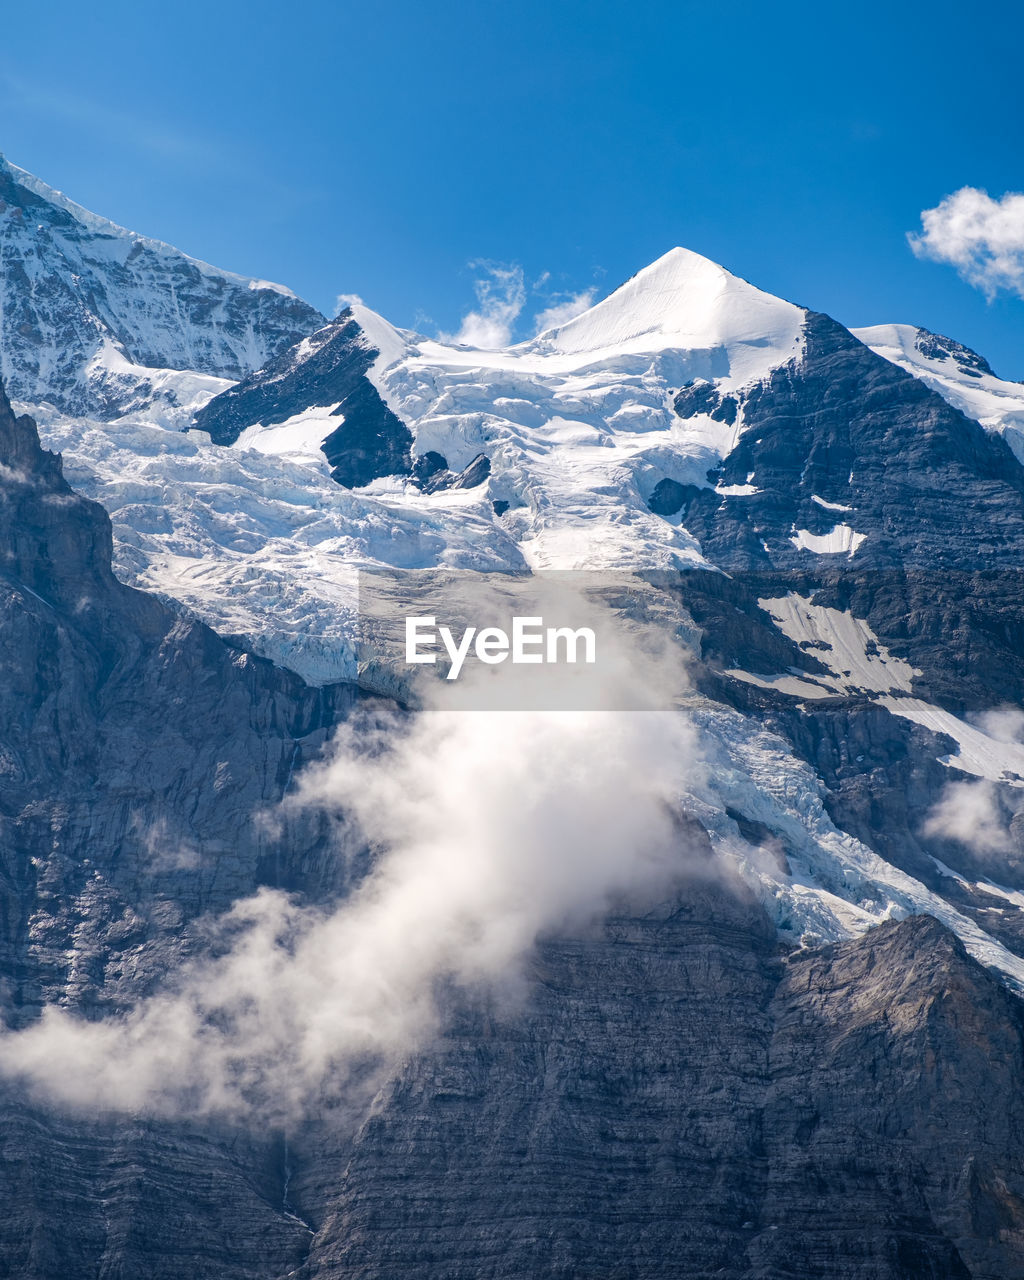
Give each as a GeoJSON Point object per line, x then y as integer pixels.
{"type": "Point", "coordinates": [839, 540]}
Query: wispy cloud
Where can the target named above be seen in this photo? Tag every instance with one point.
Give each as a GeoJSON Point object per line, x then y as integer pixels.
{"type": "Point", "coordinates": [971, 814]}
{"type": "Point", "coordinates": [1005, 723]}
{"type": "Point", "coordinates": [561, 311]}
{"type": "Point", "coordinates": [983, 238]}
{"type": "Point", "coordinates": [980, 815]}
{"type": "Point", "coordinates": [501, 296]}
{"type": "Point", "coordinates": [344, 300]}
{"type": "Point", "coordinates": [165, 851]}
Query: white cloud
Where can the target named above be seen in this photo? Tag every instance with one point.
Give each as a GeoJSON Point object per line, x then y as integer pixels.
{"type": "Point", "coordinates": [490, 831]}
{"type": "Point", "coordinates": [971, 814]}
{"type": "Point", "coordinates": [344, 300]}
{"type": "Point", "coordinates": [1005, 723]}
{"type": "Point", "coordinates": [165, 851]}
{"type": "Point", "coordinates": [982, 237]}
{"type": "Point", "coordinates": [501, 296]}
{"type": "Point", "coordinates": [559, 313]}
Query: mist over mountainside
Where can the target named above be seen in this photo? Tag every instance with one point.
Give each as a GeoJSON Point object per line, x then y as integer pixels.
{"type": "Point", "coordinates": [749, 1006]}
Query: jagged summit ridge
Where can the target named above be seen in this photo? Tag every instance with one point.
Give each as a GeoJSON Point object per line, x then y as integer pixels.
{"type": "Point", "coordinates": [961, 376]}
{"type": "Point", "coordinates": [105, 226]}
{"type": "Point", "coordinates": [99, 321]}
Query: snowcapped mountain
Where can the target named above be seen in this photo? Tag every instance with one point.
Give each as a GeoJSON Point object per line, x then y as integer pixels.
{"type": "Point", "coordinates": [687, 423]}
{"type": "Point", "coordinates": [575, 437]}
{"type": "Point", "coordinates": [832, 522]}
{"type": "Point", "coordinates": [97, 320]}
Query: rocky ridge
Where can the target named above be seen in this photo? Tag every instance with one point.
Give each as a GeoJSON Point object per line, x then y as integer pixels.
{"type": "Point", "coordinates": [101, 321]}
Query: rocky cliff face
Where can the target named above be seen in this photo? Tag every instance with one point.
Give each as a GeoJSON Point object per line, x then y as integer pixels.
{"type": "Point", "coordinates": [683, 1099]}
{"type": "Point", "coordinates": [844, 453]}
{"type": "Point", "coordinates": [136, 753]}
{"type": "Point", "coordinates": [99, 321]}
{"type": "Point", "coordinates": [362, 438]}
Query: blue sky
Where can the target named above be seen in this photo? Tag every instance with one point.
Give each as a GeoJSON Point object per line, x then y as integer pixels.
{"type": "Point", "coordinates": [380, 150]}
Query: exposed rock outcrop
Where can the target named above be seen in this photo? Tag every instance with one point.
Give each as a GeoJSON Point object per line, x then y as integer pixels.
{"type": "Point", "coordinates": [327, 370]}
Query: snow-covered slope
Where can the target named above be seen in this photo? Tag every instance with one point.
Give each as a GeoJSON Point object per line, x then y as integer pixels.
{"type": "Point", "coordinates": [578, 425]}
{"type": "Point", "coordinates": [958, 374]}
{"type": "Point", "coordinates": [685, 302]}
{"type": "Point", "coordinates": [99, 320]}
{"type": "Point", "coordinates": [264, 548]}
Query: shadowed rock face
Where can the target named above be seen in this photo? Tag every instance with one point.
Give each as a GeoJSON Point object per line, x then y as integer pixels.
{"type": "Point", "coordinates": [133, 739]}
{"type": "Point", "coordinates": [934, 346]}
{"type": "Point", "coordinates": [75, 289]}
{"type": "Point", "coordinates": [925, 485]}
{"type": "Point", "coordinates": [327, 370]}
{"type": "Point", "coordinates": [680, 1098]}
{"type": "Point", "coordinates": [895, 1066]}
{"type": "Point", "coordinates": [91, 1198]}
{"type": "Point", "coordinates": [136, 751]}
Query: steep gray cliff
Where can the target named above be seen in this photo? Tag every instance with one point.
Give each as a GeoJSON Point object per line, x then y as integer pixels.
{"type": "Point", "coordinates": [136, 753]}
{"type": "Point", "coordinates": [326, 370]}
{"type": "Point", "coordinates": [681, 1098]}
{"type": "Point", "coordinates": [844, 431]}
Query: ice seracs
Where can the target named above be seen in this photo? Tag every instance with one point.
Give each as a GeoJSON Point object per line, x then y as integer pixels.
{"type": "Point", "coordinates": [578, 423]}
{"type": "Point", "coordinates": [576, 427]}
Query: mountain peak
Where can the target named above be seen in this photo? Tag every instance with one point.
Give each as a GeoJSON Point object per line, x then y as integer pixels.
{"type": "Point", "coordinates": [93, 222]}
{"type": "Point", "coordinates": [685, 301]}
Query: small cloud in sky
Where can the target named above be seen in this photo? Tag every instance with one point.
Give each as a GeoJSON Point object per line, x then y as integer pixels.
{"type": "Point", "coordinates": [344, 300]}
{"type": "Point", "coordinates": [562, 312]}
{"type": "Point", "coordinates": [501, 296]}
{"type": "Point", "coordinates": [982, 237]}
